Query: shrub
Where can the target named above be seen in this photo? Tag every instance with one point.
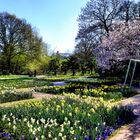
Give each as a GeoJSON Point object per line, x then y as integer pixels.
{"type": "Point", "coordinates": [10, 95]}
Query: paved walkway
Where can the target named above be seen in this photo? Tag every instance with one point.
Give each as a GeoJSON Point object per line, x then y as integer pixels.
{"type": "Point", "coordinates": [131, 131]}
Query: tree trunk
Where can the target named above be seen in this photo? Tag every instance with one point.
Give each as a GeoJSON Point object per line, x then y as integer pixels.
{"type": "Point", "coordinates": [82, 71]}
{"type": "Point", "coordinates": [9, 64]}
{"type": "Point", "coordinates": [55, 72]}
{"type": "Point", "coordinates": [73, 72]}
{"type": "Point", "coordinates": [65, 72]}
{"type": "Point", "coordinates": [91, 70]}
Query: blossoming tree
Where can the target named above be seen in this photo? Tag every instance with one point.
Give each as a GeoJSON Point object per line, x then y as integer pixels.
{"type": "Point", "coordinates": [122, 44]}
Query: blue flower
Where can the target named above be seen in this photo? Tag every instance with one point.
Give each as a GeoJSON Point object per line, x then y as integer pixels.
{"type": "Point", "coordinates": [99, 138]}
{"type": "Point", "coordinates": [88, 138]}
{"type": "Point", "coordinates": [5, 134]}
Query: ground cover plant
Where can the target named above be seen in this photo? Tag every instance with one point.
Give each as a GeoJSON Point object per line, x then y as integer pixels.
{"type": "Point", "coordinates": [11, 95]}
{"type": "Point", "coordinates": [58, 78]}
{"type": "Point", "coordinates": [94, 81]}
{"type": "Point", "coordinates": [70, 118]}
{"type": "Point", "coordinates": [12, 76]}
{"type": "Point", "coordinates": [113, 92]}
{"type": "Point", "coordinates": [87, 111]}
{"type": "Point", "coordinates": [24, 82]}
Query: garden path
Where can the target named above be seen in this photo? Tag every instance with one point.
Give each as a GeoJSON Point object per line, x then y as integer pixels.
{"type": "Point", "coordinates": [38, 95]}
{"type": "Point", "coordinates": [131, 131]}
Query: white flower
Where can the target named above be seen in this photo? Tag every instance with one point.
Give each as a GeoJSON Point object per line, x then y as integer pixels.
{"type": "Point", "coordinates": [42, 137]}
{"type": "Point", "coordinates": [37, 122]}
{"type": "Point", "coordinates": [9, 123]}
{"type": "Point", "coordinates": [25, 119]}
{"type": "Point", "coordinates": [33, 132]}
{"type": "Point", "coordinates": [49, 135]}
{"type": "Point", "coordinates": [64, 137]}
{"type": "Point", "coordinates": [62, 129]}
{"type": "Point", "coordinates": [3, 117]}
{"type": "Point", "coordinates": [14, 127]}
{"type": "Point", "coordinates": [104, 123]}
{"type": "Point", "coordinates": [32, 120]}
{"type": "Point", "coordinates": [88, 115]}
{"type": "Point", "coordinates": [66, 119]}
{"type": "Point", "coordinates": [42, 120]}
{"type": "Point", "coordinates": [51, 120]}
{"type": "Point", "coordinates": [46, 125]}
{"type": "Point", "coordinates": [68, 123]}
{"type": "Point", "coordinates": [71, 128]}
{"type": "Point", "coordinates": [70, 114]}
{"type": "Point", "coordinates": [14, 121]}
{"type": "Point", "coordinates": [36, 138]}
{"type": "Point", "coordinates": [60, 134]}
{"type": "Point", "coordinates": [39, 129]}
{"type": "Point", "coordinates": [28, 124]}
{"type": "Point", "coordinates": [96, 128]}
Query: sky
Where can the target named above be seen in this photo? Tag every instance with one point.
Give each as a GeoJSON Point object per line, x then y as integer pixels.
{"type": "Point", "coordinates": [55, 20]}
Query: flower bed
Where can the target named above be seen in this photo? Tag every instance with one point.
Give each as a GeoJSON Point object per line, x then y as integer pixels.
{"type": "Point", "coordinates": [70, 118]}
{"type": "Point", "coordinates": [114, 92]}
{"type": "Point", "coordinates": [21, 83]}
{"type": "Point", "coordinates": [11, 95]}
{"type": "Point", "coordinates": [93, 81]}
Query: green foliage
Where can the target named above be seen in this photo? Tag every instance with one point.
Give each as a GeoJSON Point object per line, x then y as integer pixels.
{"type": "Point", "coordinates": [74, 116]}
{"type": "Point", "coordinates": [57, 118]}
{"type": "Point", "coordinates": [73, 64]}
{"type": "Point", "coordinates": [24, 82]}
{"type": "Point", "coordinates": [54, 64]}
{"type": "Point", "coordinates": [64, 66]}
{"type": "Point", "coordinates": [10, 95]}
{"type": "Point", "coordinates": [19, 43]}
{"type": "Point", "coordinates": [128, 92]}
{"type": "Point", "coordinates": [126, 114]}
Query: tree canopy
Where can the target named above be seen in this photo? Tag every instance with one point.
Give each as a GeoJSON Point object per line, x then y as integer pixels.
{"type": "Point", "coordinates": [122, 44]}
{"type": "Point", "coordinates": [18, 40]}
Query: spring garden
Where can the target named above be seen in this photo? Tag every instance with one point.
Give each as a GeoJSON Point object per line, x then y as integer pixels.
{"type": "Point", "coordinates": [84, 108]}
{"type": "Point", "coordinates": [48, 95]}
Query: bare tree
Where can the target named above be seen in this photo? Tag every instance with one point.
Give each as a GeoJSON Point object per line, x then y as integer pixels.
{"type": "Point", "coordinates": [97, 17]}
{"type": "Point", "coordinates": [129, 10]}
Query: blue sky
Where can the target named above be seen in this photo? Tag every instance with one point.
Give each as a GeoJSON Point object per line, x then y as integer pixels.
{"type": "Point", "coordinates": [54, 19]}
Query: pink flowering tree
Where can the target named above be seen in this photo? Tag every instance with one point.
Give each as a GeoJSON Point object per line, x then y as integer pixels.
{"type": "Point", "coordinates": [122, 44]}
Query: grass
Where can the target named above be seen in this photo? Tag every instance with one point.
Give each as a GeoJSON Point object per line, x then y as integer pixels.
{"type": "Point", "coordinates": [22, 82]}
{"type": "Point", "coordinates": [16, 103]}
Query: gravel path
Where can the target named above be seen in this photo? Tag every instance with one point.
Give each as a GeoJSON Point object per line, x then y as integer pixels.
{"type": "Point", "coordinates": [39, 95]}
{"type": "Point", "coordinates": [131, 131]}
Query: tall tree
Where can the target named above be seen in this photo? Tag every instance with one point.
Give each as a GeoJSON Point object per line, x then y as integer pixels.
{"type": "Point", "coordinates": [73, 63]}
{"type": "Point", "coordinates": [122, 44]}
{"type": "Point", "coordinates": [64, 66]}
{"type": "Point", "coordinates": [128, 11]}
{"type": "Point", "coordinates": [97, 17]}
{"type": "Point", "coordinates": [16, 37]}
{"type": "Point", "coordinates": [54, 64]}
{"type": "Point", "coordinates": [84, 50]}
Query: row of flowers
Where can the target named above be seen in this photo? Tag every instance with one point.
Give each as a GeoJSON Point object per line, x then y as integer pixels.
{"type": "Point", "coordinates": [73, 117]}
{"type": "Point", "coordinates": [114, 92]}
{"type": "Point", "coordinates": [11, 95]}
{"type": "Point", "coordinates": [6, 84]}
{"type": "Point", "coordinates": [94, 80]}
